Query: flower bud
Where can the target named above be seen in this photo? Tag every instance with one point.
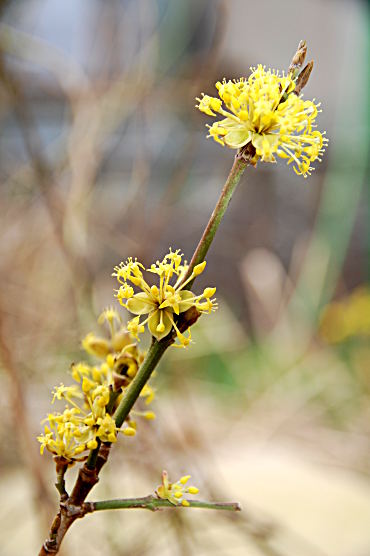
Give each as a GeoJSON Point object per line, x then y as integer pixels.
{"type": "Point", "coordinates": [209, 292]}
{"type": "Point", "coordinates": [96, 346]}
{"type": "Point", "coordinates": [198, 269]}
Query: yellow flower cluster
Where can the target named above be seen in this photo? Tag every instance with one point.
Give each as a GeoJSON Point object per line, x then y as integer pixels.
{"type": "Point", "coordinates": [91, 402]}
{"type": "Point", "coordinates": [174, 492]}
{"type": "Point", "coordinates": [77, 429]}
{"type": "Point", "coordinates": [264, 111]}
{"type": "Point", "coordinates": [162, 303]}
{"type": "Point", "coordinates": [347, 318]}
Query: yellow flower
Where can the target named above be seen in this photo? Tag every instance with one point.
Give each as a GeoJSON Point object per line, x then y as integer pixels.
{"type": "Point", "coordinates": [174, 492]}
{"type": "Point", "coordinates": [119, 336]}
{"type": "Point", "coordinates": [66, 392]}
{"type": "Point", "coordinates": [87, 417]}
{"type": "Point", "coordinates": [78, 429]}
{"type": "Point", "coordinates": [100, 347]}
{"type": "Point", "coordinates": [61, 435]}
{"type": "Point", "coordinates": [164, 302]}
{"type": "Point", "coordinates": [264, 111]}
{"type": "Point", "coordinates": [110, 316]}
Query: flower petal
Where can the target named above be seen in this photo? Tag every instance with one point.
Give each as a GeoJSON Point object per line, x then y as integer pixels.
{"type": "Point", "coordinates": [237, 138]}
{"type": "Point", "coordinates": [140, 304]}
{"type": "Point", "coordinates": [184, 304]}
{"type": "Point", "coordinates": [155, 321]}
{"type": "Point", "coordinates": [266, 145]}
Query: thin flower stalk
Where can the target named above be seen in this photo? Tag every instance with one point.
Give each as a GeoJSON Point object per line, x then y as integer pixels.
{"type": "Point", "coordinates": [154, 504]}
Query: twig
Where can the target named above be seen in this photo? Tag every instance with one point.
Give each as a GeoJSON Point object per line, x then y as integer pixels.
{"type": "Point", "coordinates": [154, 504]}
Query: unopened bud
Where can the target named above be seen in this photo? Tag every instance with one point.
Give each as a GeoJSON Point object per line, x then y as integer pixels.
{"type": "Point", "coordinates": [298, 58]}
{"type": "Point", "coordinates": [198, 269]}
{"type": "Point", "coordinates": [121, 339]}
{"type": "Point", "coordinates": [303, 78]}
{"type": "Point", "coordinates": [209, 292]}
{"type": "Point", "coordinates": [96, 346]}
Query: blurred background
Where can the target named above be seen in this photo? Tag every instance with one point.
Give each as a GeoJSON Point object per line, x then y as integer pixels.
{"type": "Point", "coordinates": [103, 156]}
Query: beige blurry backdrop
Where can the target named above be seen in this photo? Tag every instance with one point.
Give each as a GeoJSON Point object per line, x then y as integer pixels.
{"type": "Point", "coordinates": [103, 156]}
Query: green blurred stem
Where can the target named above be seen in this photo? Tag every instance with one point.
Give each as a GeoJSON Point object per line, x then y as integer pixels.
{"type": "Point", "coordinates": [153, 503]}
{"type": "Point", "coordinates": [209, 233]}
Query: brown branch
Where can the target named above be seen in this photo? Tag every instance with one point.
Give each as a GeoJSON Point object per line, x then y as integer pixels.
{"type": "Point", "coordinates": [86, 480]}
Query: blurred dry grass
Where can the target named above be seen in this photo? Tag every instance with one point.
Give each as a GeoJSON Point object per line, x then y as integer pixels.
{"type": "Point", "coordinates": [103, 157]}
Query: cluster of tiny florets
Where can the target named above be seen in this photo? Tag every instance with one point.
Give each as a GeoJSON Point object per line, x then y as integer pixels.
{"type": "Point", "coordinates": [175, 492]}
{"type": "Point", "coordinates": [91, 401]}
{"type": "Point", "coordinates": [161, 303]}
{"type": "Point", "coordinates": [264, 111]}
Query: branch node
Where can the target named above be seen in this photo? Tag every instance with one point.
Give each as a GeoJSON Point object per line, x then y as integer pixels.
{"type": "Point", "coordinates": [70, 510]}
{"type": "Point", "coordinates": [89, 475]}
{"type": "Point", "coordinates": [246, 153]}
{"type": "Point", "coordinates": [50, 547]}
{"type": "Point", "coordinates": [87, 508]}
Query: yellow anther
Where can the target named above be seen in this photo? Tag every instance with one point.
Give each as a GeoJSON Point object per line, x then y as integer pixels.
{"type": "Point", "coordinates": [129, 431]}
{"type": "Point", "coordinates": [150, 415]}
{"type": "Point", "coordinates": [193, 490]}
